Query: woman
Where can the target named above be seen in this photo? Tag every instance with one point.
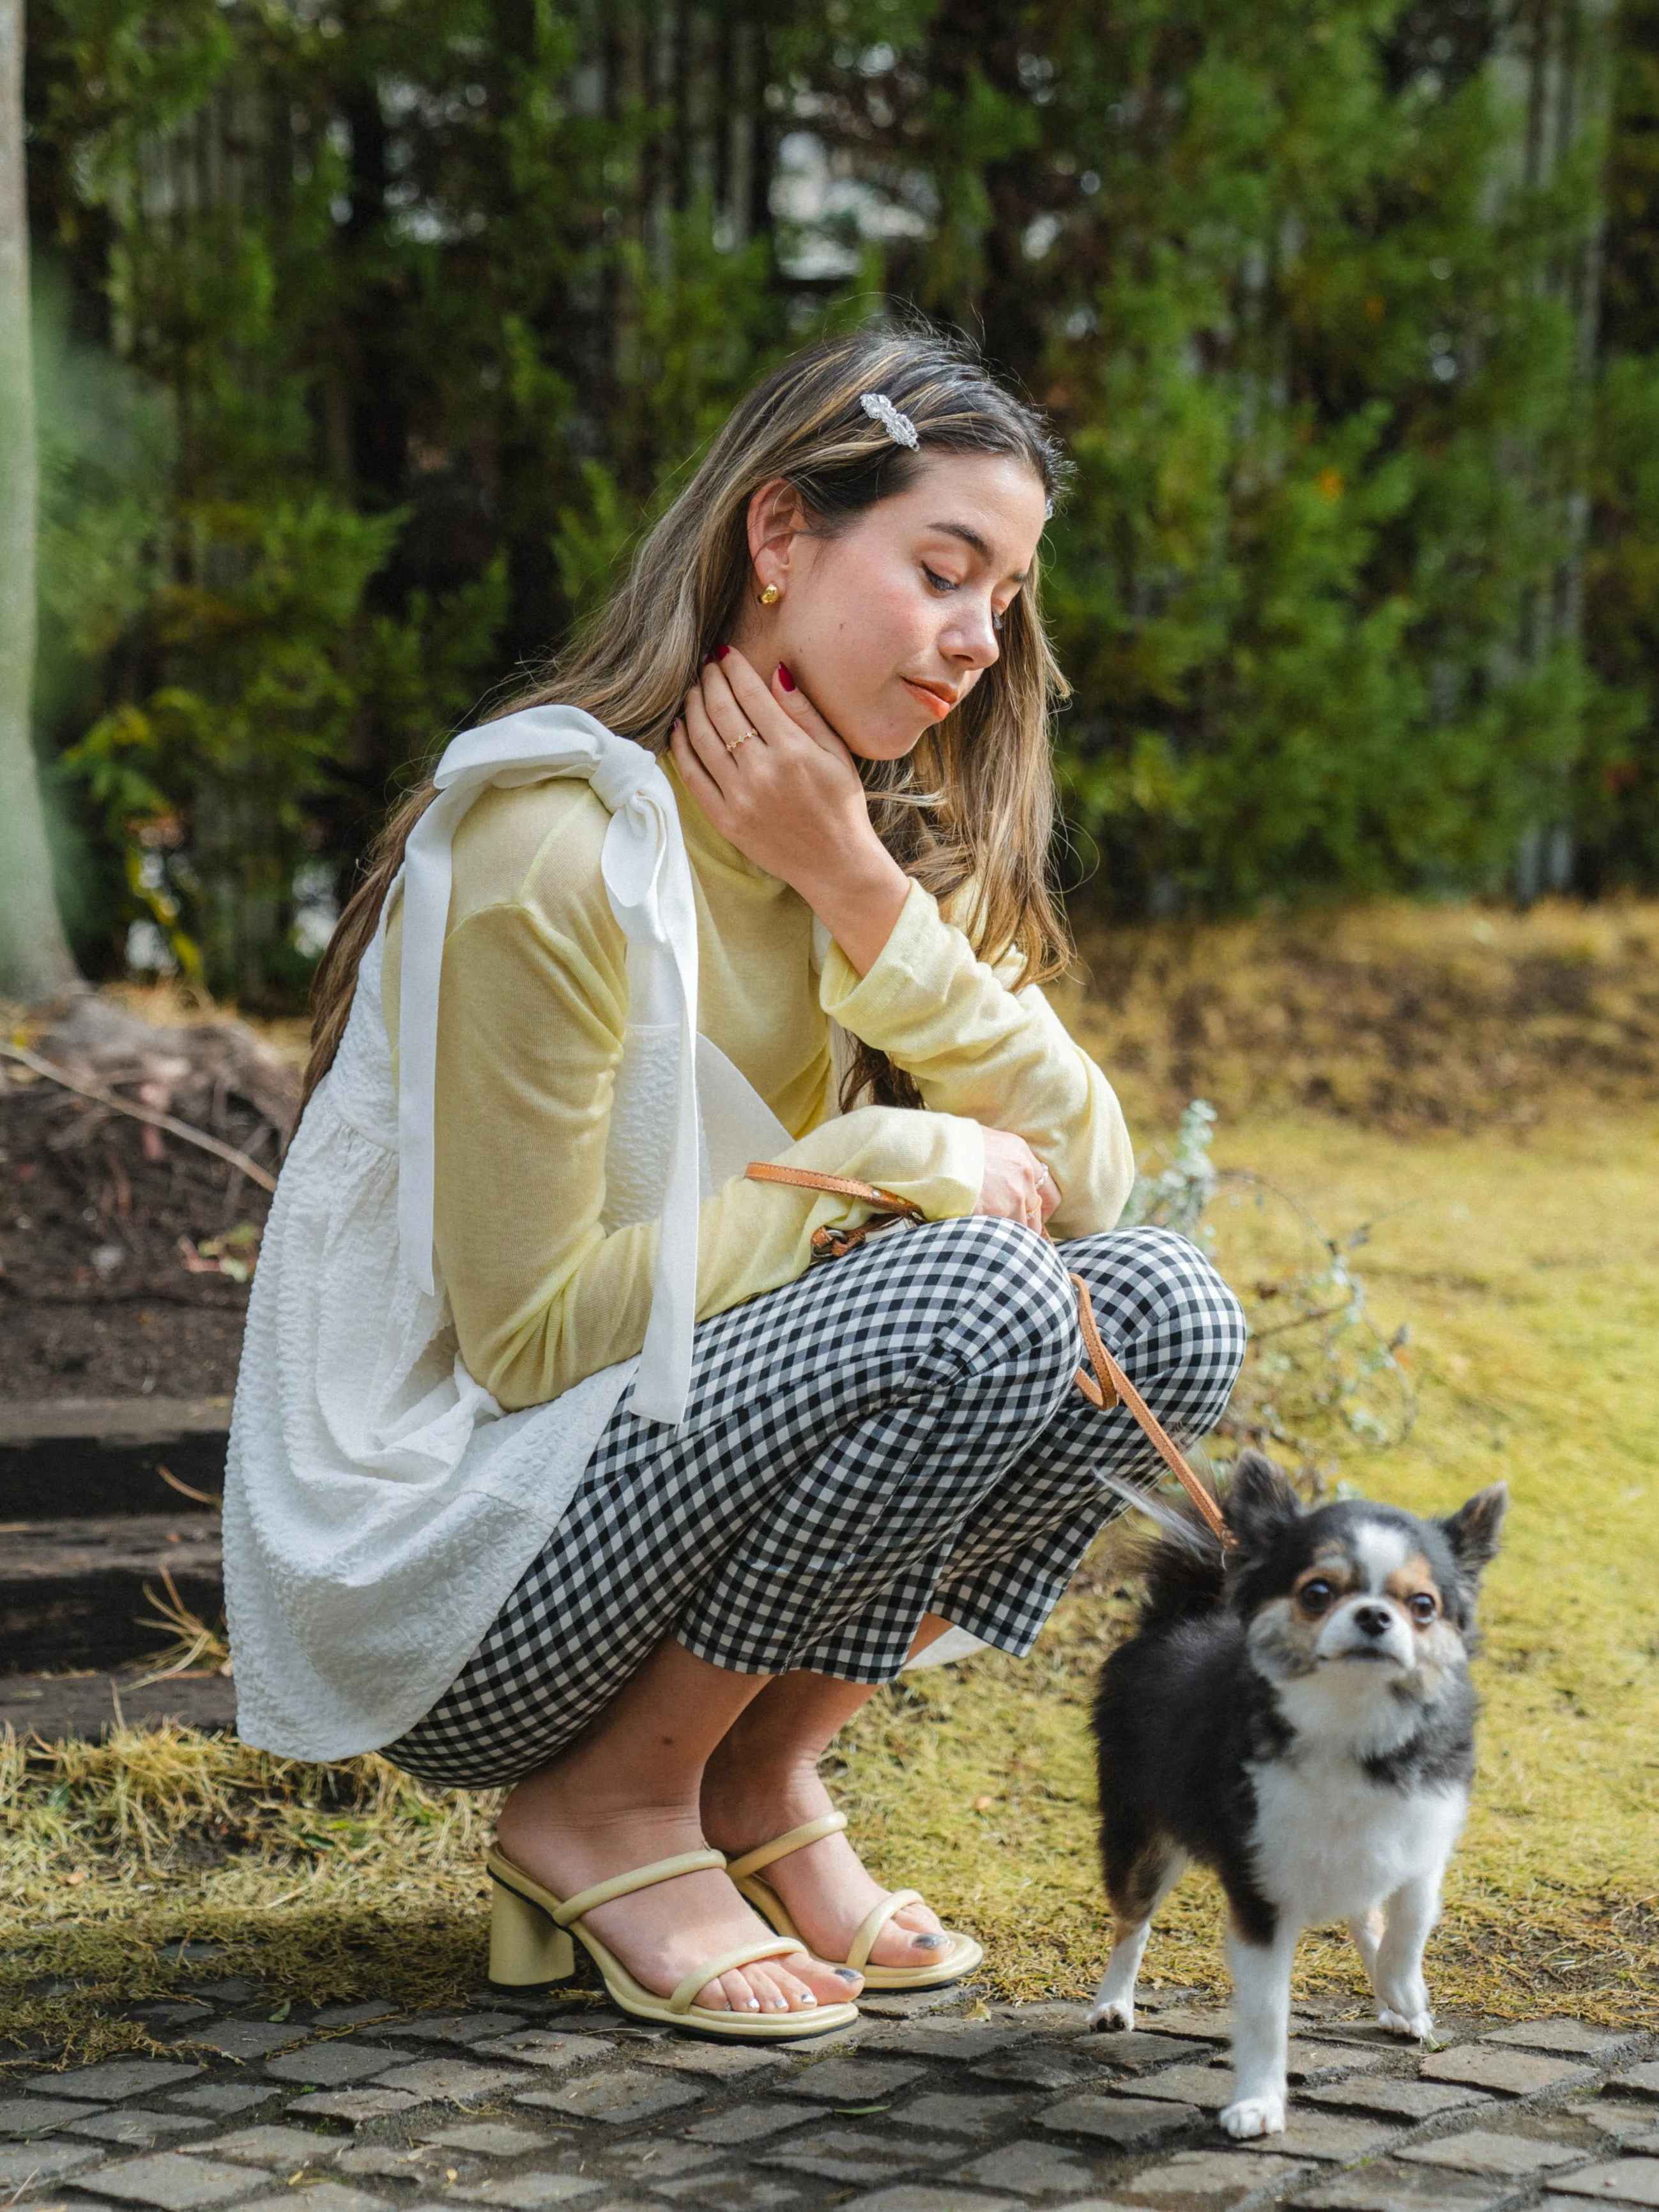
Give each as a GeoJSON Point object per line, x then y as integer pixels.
{"type": "Point", "coordinates": [771, 843]}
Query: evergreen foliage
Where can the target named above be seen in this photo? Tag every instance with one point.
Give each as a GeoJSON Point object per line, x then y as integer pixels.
{"type": "Point", "coordinates": [426, 305]}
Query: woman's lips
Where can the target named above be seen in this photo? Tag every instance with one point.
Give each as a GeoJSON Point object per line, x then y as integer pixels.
{"type": "Point", "coordinates": [938, 706]}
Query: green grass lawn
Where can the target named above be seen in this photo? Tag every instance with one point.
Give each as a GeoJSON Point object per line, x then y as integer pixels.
{"type": "Point", "coordinates": [1525, 1268]}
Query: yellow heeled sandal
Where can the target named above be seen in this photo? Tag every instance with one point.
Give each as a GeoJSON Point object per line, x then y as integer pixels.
{"type": "Point", "coordinates": [963, 1955]}
{"type": "Point", "coordinates": [530, 1944]}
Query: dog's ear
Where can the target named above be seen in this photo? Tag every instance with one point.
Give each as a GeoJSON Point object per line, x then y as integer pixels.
{"type": "Point", "coordinates": [1260, 1501]}
{"type": "Point", "coordinates": [1473, 1530]}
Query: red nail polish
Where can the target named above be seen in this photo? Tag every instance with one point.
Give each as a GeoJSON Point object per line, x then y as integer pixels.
{"type": "Point", "coordinates": [707, 657]}
{"type": "Point", "coordinates": [720, 651]}
{"type": "Point", "coordinates": [784, 678]}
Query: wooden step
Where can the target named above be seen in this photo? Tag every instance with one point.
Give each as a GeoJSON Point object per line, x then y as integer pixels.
{"type": "Point", "coordinates": [97, 1457]}
{"type": "Point", "coordinates": [72, 1591]}
{"type": "Point", "coordinates": [57, 1706]}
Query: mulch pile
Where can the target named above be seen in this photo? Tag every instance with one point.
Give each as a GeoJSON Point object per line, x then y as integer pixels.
{"type": "Point", "coordinates": [125, 1251]}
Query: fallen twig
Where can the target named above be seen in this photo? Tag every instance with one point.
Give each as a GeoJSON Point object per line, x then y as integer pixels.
{"type": "Point", "coordinates": [117, 1104]}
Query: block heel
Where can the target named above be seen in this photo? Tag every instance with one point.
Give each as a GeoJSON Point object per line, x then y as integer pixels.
{"type": "Point", "coordinates": [527, 1947]}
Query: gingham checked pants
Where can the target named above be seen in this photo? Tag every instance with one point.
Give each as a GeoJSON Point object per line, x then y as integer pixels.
{"type": "Point", "coordinates": [895, 1433]}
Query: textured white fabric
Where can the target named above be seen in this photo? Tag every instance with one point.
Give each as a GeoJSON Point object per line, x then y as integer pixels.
{"type": "Point", "coordinates": [379, 1504]}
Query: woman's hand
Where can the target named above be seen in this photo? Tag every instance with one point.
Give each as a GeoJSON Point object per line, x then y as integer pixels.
{"type": "Point", "coordinates": [1016, 1186]}
{"type": "Point", "coordinates": [773, 777]}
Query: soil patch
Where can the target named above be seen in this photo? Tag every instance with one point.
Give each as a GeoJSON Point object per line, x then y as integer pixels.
{"type": "Point", "coordinates": [124, 1251]}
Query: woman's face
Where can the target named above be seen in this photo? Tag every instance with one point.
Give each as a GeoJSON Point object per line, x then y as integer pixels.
{"type": "Point", "coordinates": [888, 624]}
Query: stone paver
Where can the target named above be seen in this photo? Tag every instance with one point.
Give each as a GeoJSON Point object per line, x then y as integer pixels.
{"type": "Point", "coordinates": [528, 2192]}
{"type": "Point", "coordinates": [1382, 2187]}
{"type": "Point", "coordinates": [1642, 2080]}
{"type": "Point", "coordinates": [1034, 2169]}
{"type": "Point", "coordinates": [1043, 2070]}
{"type": "Point", "coordinates": [1130, 2122]}
{"type": "Point", "coordinates": [854, 2081]}
{"type": "Point", "coordinates": [451, 2080]}
{"type": "Point", "coordinates": [485, 2138]}
{"type": "Point", "coordinates": [352, 2015]}
{"type": "Point", "coordinates": [322, 2196]}
{"type": "Point", "coordinates": [908, 2197]}
{"type": "Point", "coordinates": [1209, 2087]}
{"type": "Point", "coordinates": [725, 2061]}
{"type": "Point", "coordinates": [456, 2026]}
{"type": "Point", "coordinates": [1635, 2126]}
{"type": "Point", "coordinates": [1480, 2151]}
{"type": "Point", "coordinates": [1304, 2061]}
{"type": "Point", "coordinates": [115, 2080]}
{"type": "Point", "coordinates": [223, 2101]}
{"type": "Point", "coordinates": [1624, 2180]}
{"type": "Point", "coordinates": [1400, 2099]}
{"type": "Point", "coordinates": [275, 2146]}
{"type": "Point", "coordinates": [1220, 2179]}
{"type": "Point", "coordinates": [37, 2115]}
{"type": "Point", "coordinates": [619, 2098]}
{"type": "Point", "coordinates": [23, 2164]}
{"type": "Point", "coordinates": [545, 2047]}
{"type": "Point", "coordinates": [1134, 2051]}
{"type": "Point", "coordinates": [1513, 2073]}
{"type": "Point", "coordinates": [745, 2123]}
{"type": "Point", "coordinates": [332, 2065]}
{"type": "Point", "coordinates": [138, 2130]}
{"type": "Point", "coordinates": [946, 2038]}
{"type": "Point", "coordinates": [244, 2038]}
{"type": "Point", "coordinates": [357, 2105]}
{"type": "Point", "coordinates": [1325, 2136]}
{"type": "Point", "coordinates": [173, 2182]}
{"type": "Point", "coordinates": [1209, 2023]}
{"type": "Point", "coordinates": [856, 2154]}
{"type": "Point", "coordinates": [1568, 2038]}
{"type": "Point", "coordinates": [958, 2115]}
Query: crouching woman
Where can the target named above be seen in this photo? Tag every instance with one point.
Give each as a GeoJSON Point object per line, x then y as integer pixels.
{"type": "Point", "coordinates": [555, 1464]}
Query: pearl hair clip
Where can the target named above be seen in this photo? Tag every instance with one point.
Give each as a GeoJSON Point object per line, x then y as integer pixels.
{"type": "Point", "coordinates": [899, 427]}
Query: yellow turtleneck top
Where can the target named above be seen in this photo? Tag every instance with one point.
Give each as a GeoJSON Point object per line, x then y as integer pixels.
{"type": "Point", "coordinates": [530, 1020]}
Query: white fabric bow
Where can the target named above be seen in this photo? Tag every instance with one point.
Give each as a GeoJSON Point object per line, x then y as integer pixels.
{"type": "Point", "coordinates": [648, 879]}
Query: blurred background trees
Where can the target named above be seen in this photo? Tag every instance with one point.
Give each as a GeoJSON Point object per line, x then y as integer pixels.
{"type": "Point", "coordinates": [369, 330]}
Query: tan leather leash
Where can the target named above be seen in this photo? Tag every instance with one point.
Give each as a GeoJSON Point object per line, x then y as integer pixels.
{"type": "Point", "coordinates": [1107, 1386]}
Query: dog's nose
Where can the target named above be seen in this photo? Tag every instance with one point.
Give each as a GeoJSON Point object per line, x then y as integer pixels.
{"type": "Point", "coordinates": [1373, 1620]}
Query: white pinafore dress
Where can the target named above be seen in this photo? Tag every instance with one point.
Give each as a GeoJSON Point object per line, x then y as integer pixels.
{"type": "Point", "coordinates": [380, 1505]}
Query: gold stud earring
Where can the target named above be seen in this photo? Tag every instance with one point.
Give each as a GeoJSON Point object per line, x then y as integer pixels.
{"type": "Point", "coordinates": [770, 596]}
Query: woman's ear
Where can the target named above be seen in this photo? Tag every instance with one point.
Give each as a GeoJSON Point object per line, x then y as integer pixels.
{"type": "Point", "coordinates": [776, 518]}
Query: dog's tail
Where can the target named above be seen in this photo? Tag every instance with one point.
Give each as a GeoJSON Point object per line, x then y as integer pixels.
{"type": "Point", "coordinates": [1183, 1570]}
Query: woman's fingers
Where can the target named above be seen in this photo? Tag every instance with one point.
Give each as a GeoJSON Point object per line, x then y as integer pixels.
{"type": "Point", "coordinates": [705, 744]}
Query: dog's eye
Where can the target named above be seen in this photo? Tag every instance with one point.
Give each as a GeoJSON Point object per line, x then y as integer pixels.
{"type": "Point", "coordinates": [1316, 1596]}
{"type": "Point", "coordinates": [1422, 1609]}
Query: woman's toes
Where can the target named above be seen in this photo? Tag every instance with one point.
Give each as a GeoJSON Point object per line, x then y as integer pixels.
{"type": "Point", "coordinates": [913, 1937]}
{"type": "Point", "coordinates": [732, 1990]}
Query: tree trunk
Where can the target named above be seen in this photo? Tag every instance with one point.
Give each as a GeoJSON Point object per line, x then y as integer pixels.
{"type": "Point", "coordinates": [34, 955]}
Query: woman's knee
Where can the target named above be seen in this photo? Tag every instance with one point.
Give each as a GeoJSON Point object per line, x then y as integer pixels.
{"type": "Point", "coordinates": [1164, 1301]}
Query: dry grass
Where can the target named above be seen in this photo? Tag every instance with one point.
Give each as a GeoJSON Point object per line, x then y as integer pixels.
{"type": "Point", "coordinates": [1521, 1251]}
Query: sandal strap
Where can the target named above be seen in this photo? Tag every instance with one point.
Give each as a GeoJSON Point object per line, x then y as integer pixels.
{"type": "Point", "coordinates": [874, 1921]}
{"type": "Point", "coordinates": [645, 1877]}
{"type": "Point", "coordinates": [797, 1839]}
{"type": "Point", "coordinates": [746, 1954]}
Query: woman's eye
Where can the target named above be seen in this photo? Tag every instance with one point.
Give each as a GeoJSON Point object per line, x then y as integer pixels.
{"type": "Point", "coordinates": [1316, 1596]}
{"type": "Point", "coordinates": [1423, 1608]}
{"type": "Point", "coordinates": [939, 583]}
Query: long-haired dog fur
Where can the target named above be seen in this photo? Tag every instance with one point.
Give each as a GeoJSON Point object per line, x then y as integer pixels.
{"type": "Point", "coordinates": [1296, 1714]}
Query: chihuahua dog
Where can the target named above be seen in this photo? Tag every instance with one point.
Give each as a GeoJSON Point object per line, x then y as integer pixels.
{"type": "Point", "coordinates": [1296, 1714]}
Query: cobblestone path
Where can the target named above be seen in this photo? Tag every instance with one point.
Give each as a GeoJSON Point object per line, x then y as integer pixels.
{"type": "Point", "coordinates": [939, 2103]}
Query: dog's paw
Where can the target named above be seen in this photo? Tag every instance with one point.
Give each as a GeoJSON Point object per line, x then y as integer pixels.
{"type": "Point", "coordinates": [1419, 2025]}
{"type": "Point", "coordinates": [1254, 2116]}
{"type": "Point", "coordinates": [1110, 2016]}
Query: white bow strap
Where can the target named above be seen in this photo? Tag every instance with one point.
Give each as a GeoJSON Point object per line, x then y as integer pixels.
{"type": "Point", "coordinates": [648, 879]}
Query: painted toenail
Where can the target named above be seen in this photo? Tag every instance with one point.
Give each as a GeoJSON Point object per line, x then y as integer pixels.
{"type": "Point", "coordinates": [850, 1973]}
{"type": "Point", "coordinates": [927, 1942]}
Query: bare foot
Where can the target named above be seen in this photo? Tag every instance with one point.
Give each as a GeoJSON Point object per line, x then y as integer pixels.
{"type": "Point", "coordinates": [825, 1887]}
{"type": "Point", "coordinates": [562, 1828]}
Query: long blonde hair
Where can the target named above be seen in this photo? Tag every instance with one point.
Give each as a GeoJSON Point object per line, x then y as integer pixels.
{"type": "Point", "coordinates": [973, 805]}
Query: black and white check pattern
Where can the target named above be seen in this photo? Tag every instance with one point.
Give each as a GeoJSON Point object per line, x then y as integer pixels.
{"type": "Point", "coordinates": [895, 1433]}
